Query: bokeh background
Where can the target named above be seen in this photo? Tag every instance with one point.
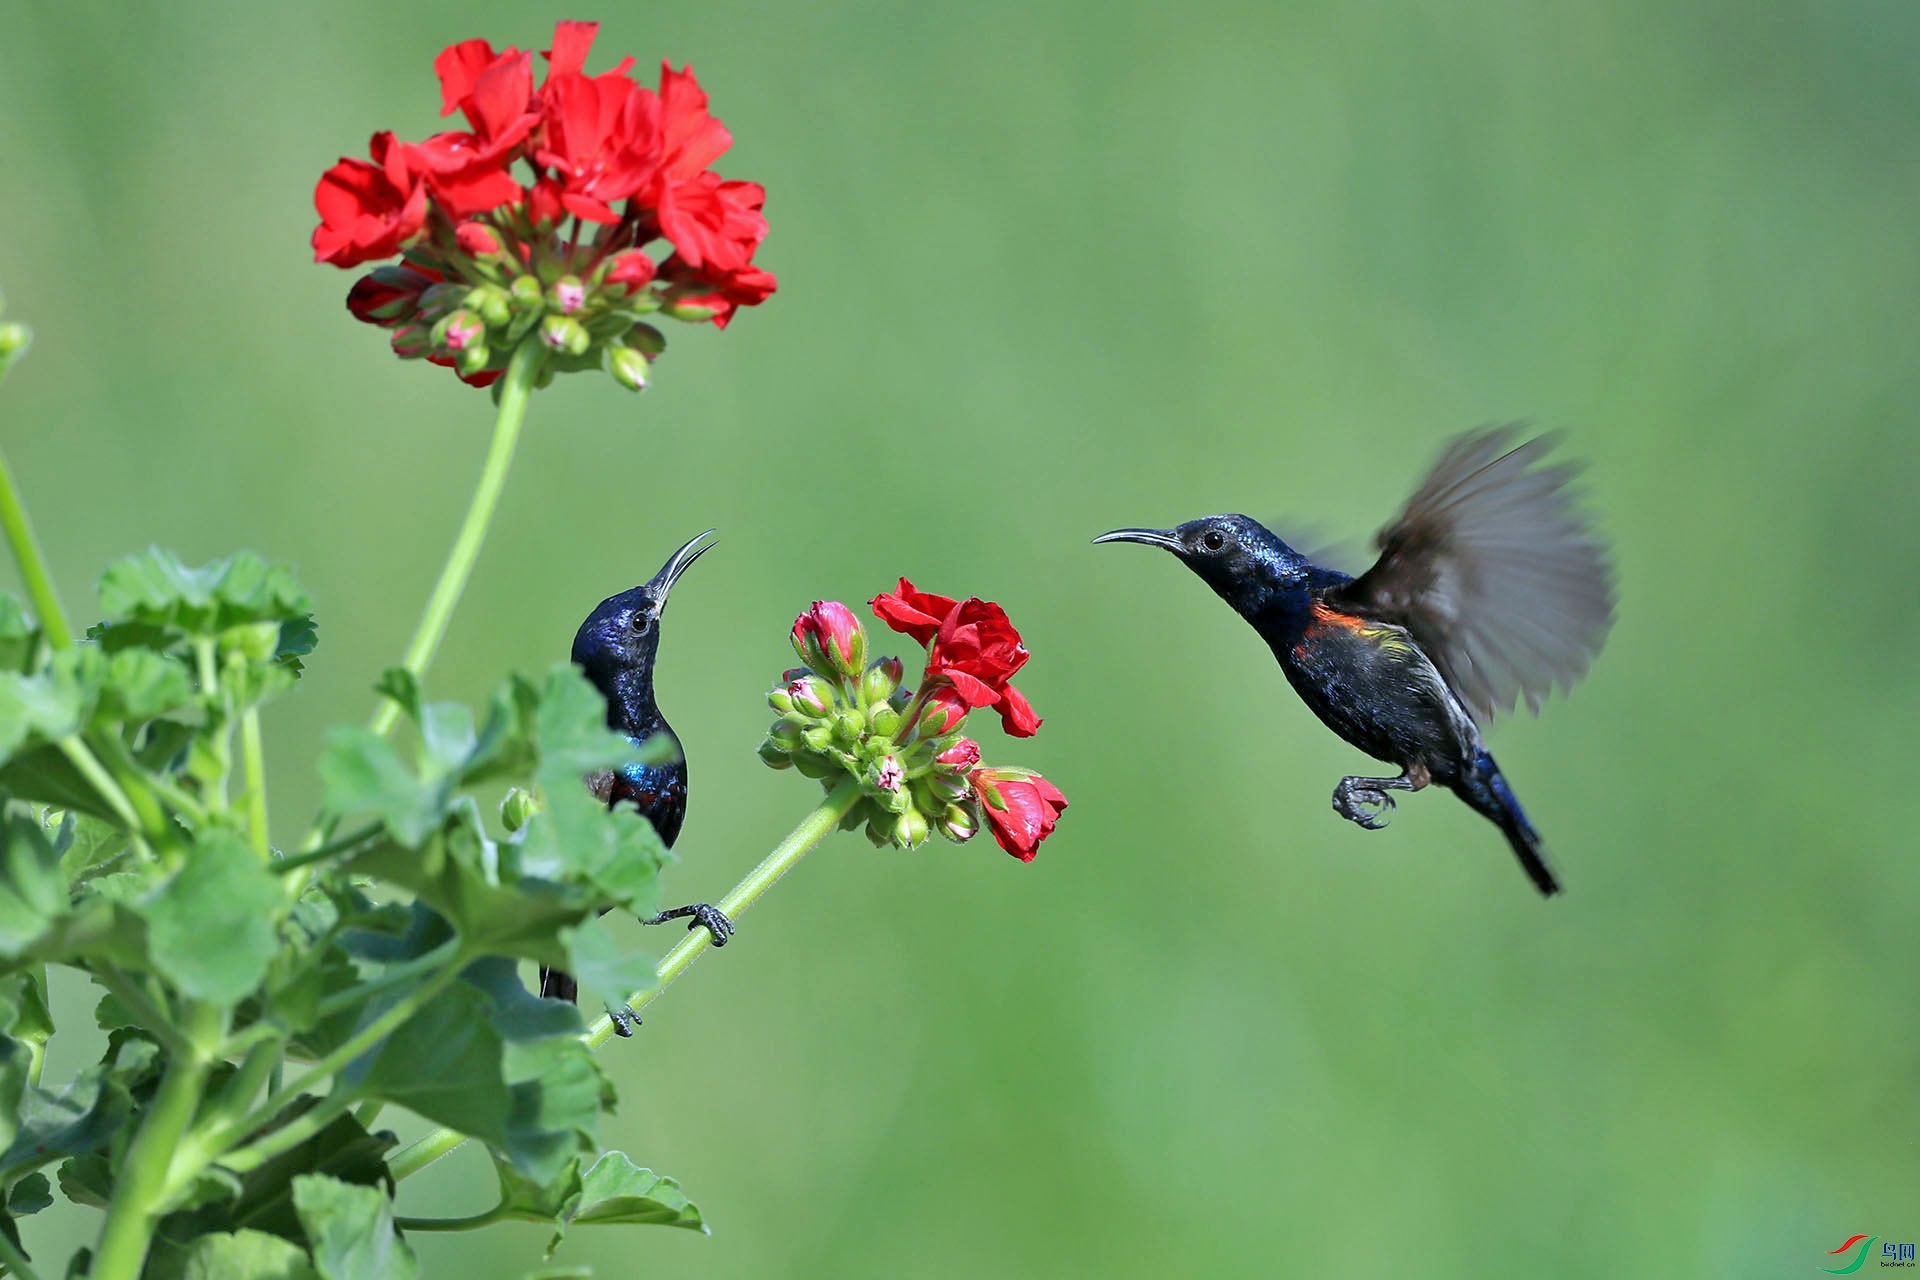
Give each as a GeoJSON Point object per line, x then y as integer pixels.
{"type": "Point", "coordinates": [1047, 269]}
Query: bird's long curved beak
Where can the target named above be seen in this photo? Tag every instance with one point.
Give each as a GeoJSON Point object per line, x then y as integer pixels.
{"type": "Point", "coordinates": [1151, 537]}
{"type": "Point", "coordinates": [677, 564]}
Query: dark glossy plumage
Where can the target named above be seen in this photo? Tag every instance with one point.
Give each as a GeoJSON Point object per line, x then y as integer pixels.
{"type": "Point", "coordinates": [1490, 587]}
{"type": "Point", "coordinates": [615, 648]}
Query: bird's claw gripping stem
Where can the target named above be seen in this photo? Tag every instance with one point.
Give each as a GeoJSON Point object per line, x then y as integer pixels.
{"type": "Point", "coordinates": [624, 1020]}
{"type": "Point", "coordinates": [1363, 806]}
{"type": "Point", "coordinates": [701, 913]}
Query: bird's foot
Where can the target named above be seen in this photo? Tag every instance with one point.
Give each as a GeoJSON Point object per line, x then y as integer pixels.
{"type": "Point", "coordinates": [1362, 804]}
{"type": "Point", "coordinates": [624, 1021]}
{"type": "Point", "coordinates": [701, 913]}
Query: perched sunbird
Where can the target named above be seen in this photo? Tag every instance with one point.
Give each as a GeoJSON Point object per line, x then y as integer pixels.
{"type": "Point", "coordinates": [615, 648]}
{"type": "Point", "coordinates": [1490, 587]}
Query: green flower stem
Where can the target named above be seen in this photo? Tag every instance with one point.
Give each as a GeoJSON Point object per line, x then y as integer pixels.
{"type": "Point", "coordinates": [333, 848]}
{"type": "Point", "coordinates": [516, 387]}
{"type": "Point", "coordinates": [254, 756]}
{"type": "Point", "coordinates": [472, 1222]}
{"type": "Point", "coordinates": [126, 989]}
{"type": "Point", "coordinates": [138, 1193]}
{"type": "Point", "coordinates": [33, 566]}
{"type": "Point", "coordinates": [284, 1139]}
{"type": "Point", "coordinates": [16, 1262]}
{"type": "Point", "coordinates": [82, 758]}
{"type": "Point", "coordinates": [811, 831]}
{"type": "Point", "coordinates": [447, 955]}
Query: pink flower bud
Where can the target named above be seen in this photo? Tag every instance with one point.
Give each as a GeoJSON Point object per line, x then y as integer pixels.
{"type": "Point", "coordinates": [477, 239]}
{"type": "Point", "coordinates": [631, 270]}
{"type": "Point", "coordinates": [463, 329]}
{"type": "Point", "coordinates": [569, 295]}
{"type": "Point", "coordinates": [960, 823]}
{"type": "Point", "coordinates": [963, 754]}
{"type": "Point", "coordinates": [829, 639]}
{"type": "Point", "coordinates": [811, 695]}
{"type": "Point", "coordinates": [887, 774]}
{"type": "Point", "coordinates": [411, 341]}
{"type": "Point", "coordinates": [941, 711]}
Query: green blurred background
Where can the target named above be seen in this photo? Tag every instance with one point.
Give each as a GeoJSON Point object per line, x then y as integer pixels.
{"type": "Point", "coordinates": [1047, 269]}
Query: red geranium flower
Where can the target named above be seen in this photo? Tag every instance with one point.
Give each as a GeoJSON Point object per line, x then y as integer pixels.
{"type": "Point", "coordinates": [1020, 806]}
{"type": "Point", "coordinates": [369, 211]}
{"type": "Point", "coordinates": [972, 648]}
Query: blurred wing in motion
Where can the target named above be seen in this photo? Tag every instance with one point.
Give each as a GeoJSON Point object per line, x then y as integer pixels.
{"type": "Point", "coordinates": [1496, 573]}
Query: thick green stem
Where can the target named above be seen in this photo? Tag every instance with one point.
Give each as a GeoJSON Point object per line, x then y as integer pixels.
{"type": "Point", "coordinates": [33, 566]}
{"type": "Point", "coordinates": [447, 955]}
{"type": "Point", "coordinates": [515, 389]}
{"type": "Point", "coordinates": [126, 988]}
{"type": "Point", "coordinates": [254, 756]}
{"type": "Point", "coordinates": [138, 1193]}
{"type": "Point", "coordinates": [16, 1263]}
{"type": "Point", "coordinates": [811, 831]}
{"type": "Point", "coordinates": [472, 1222]}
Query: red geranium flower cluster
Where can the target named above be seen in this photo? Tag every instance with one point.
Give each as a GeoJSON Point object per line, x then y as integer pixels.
{"type": "Point", "coordinates": [972, 651]}
{"type": "Point", "coordinates": [841, 714]}
{"type": "Point", "coordinates": [629, 164]}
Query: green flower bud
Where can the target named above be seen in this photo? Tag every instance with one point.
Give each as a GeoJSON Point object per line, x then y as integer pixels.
{"type": "Point", "coordinates": [813, 765]}
{"type": "Point", "coordinates": [411, 341]}
{"type": "Point", "coordinates": [473, 360]}
{"type": "Point", "coordinates": [775, 756]}
{"type": "Point", "coordinates": [565, 335]}
{"type": "Point", "coordinates": [687, 311]}
{"type": "Point", "coordinates": [786, 735]}
{"type": "Point", "coordinates": [948, 788]}
{"type": "Point", "coordinates": [884, 720]}
{"type": "Point", "coordinates": [517, 808]}
{"type": "Point", "coordinates": [819, 738]}
{"type": "Point", "coordinates": [527, 294]}
{"type": "Point", "coordinates": [881, 679]}
{"type": "Point", "coordinates": [628, 367]}
{"type": "Point", "coordinates": [880, 830]}
{"type": "Point", "coordinates": [646, 338]}
{"type": "Point", "coordinates": [960, 823]}
{"type": "Point", "coordinates": [849, 726]}
{"type": "Point", "coordinates": [14, 339]}
{"type": "Point", "coordinates": [494, 304]}
{"type": "Point", "coordinates": [438, 299]}
{"type": "Point", "coordinates": [909, 830]}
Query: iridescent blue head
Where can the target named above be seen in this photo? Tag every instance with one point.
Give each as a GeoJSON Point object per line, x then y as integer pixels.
{"type": "Point", "coordinates": [1240, 558]}
{"type": "Point", "coordinates": [617, 643]}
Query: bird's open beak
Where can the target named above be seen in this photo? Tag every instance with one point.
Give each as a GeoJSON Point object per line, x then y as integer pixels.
{"type": "Point", "coordinates": [1151, 537]}
{"type": "Point", "coordinates": [670, 573]}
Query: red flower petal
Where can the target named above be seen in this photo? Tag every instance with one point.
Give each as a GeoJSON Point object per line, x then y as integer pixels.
{"type": "Point", "coordinates": [1016, 714]}
{"type": "Point", "coordinates": [911, 611]}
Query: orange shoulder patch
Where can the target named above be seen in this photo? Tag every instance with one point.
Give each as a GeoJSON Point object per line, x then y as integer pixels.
{"type": "Point", "coordinates": [1325, 616]}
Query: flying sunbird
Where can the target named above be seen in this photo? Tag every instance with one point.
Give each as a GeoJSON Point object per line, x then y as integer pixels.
{"type": "Point", "coordinates": [1491, 587]}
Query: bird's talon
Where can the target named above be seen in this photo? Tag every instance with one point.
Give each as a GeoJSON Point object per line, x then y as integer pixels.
{"type": "Point", "coordinates": [624, 1021]}
{"type": "Point", "coordinates": [715, 920]}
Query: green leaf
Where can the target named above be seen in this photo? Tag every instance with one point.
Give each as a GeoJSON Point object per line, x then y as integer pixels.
{"type": "Point", "coordinates": [42, 772]}
{"type": "Point", "coordinates": [141, 684]}
{"type": "Point", "coordinates": [443, 1063]}
{"type": "Point", "coordinates": [154, 587]}
{"type": "Point", "coordinates": [595, 959]}
{"type": "Point", "coordinates": [85, 842]}
{"type": "Point", "coordinates": [87, 1179]}
{"type": "Point", "coordinates": [30, 1195]}
{"type": "Point", "coordinates": [85, 1115]}
{"type": "Point", "coordinates": [612, 1189]}
{"type": "Point", "coordinates": [615, 1189]}
{"type": "Point", "coordinates": [53, 703]}
{"type": "Point", "coordinates": [343, 1150]}
{"type": "Point", "coordinates": [24, 1013]}
{"type": "Point", "coordinates": [559, 1091]}
{"type": "Point", "coordinates": [350, 1230]}
{"type": "Point", "coordinates": [403, 687]}
{"type": "Point", "coordinates": [245, 1255]}
{"type": "Point", "coordinates": [33, 888]}
{"type": "Point", "coordinates": [210, 928]}
{"type": "Point", "coordinates": [19, 638]}
{"type": "Point", "coordinates": [361, 773]}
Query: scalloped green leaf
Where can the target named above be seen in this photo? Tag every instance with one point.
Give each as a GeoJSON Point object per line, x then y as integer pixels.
{"type": "Point", "coordinates": [350, 1231]}
{"type": "Point", "coordinates": [211, 926]}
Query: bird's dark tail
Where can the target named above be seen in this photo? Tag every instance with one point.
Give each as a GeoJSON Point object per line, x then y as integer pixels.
{"type": "Point", "coordinates": [556, 985]}
{"type": "Point", "coordinates": [1487, 791]}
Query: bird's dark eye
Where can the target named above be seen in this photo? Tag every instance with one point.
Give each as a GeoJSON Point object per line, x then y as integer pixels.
{"type": "Point", "coordinates": [640, 621]}
{"type": "Point", "coordinates": [1214, 540]}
